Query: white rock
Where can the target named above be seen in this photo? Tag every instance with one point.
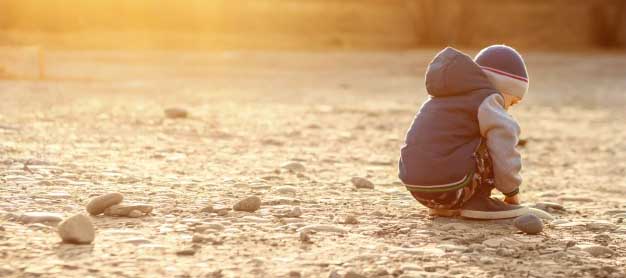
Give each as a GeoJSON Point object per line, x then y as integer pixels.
{"type": "Point", "coordinates": [254, 219]}
{"type": "Point", "coordinates": [541, 214]}
{"type": "Point", "coordinates": [175, 113]}
{"type": "Point", "coordinates": [135, 214]}
{"type": "Point", "coordinates": [359, 182]}
{"type": "Point", "coordinates": [77, 229]}
{"type": "Point", "coordinates": [40, 217]}
{"type": "Point", "coordinates": [293, 166]}
{"type": "Point", "coordinates": [126, 209]}
{"type": "Point", "coordinates": [455, 226]}
{"type": "Point", "coordinates": [97, 205]}
{"type": "Point", "coordinates": [286, 190]}
{"type": "Point", "coordinates": [322, 228]}
{"type": "Point", "coordinates": [350, 219]}
{"type": "Point", "coordinates": [137, 241]}
{"type": "Point", "coordinates": [500, 242]}
{"type": "Point", "coordinates": [597, 250]}
{"type": "Point", "coordinates": [249, 204]}
{"type": "Point", "coordinates": [209, 226]}
{"type": "Point", "coordinates": [529, 224]}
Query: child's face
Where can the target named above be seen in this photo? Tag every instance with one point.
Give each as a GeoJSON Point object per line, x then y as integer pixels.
{"type": "Point", "coordinates": [510, 100]}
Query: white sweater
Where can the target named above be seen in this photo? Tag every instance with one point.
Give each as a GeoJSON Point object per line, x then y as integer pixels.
{"type": "Point", "coordinates": [502, 134]}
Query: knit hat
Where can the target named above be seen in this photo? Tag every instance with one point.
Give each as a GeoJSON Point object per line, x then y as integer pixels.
{"type": "Point", "coordinates": [505, 69]}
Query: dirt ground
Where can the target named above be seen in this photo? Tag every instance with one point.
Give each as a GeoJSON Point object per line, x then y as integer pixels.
{"type": "Point", "coordinates": [97, 125]}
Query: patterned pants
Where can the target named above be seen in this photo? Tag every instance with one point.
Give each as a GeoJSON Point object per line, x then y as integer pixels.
{"type": "Point", "coordinates": [483, 181]}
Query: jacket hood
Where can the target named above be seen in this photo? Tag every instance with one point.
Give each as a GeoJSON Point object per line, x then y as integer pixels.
{"type": "Point", "coordinates": [452, 73]}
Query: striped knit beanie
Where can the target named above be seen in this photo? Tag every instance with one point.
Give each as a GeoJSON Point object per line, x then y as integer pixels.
{"type": "Point", "coordinates": [505, 69]}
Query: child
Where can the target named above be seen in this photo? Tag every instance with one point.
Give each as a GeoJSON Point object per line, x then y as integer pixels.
{"type": "Point", "coordinates": [462, 141]}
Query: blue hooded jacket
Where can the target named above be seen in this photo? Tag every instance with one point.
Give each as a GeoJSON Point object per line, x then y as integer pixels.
{"type": "Point", "coordinates": [440, 144]}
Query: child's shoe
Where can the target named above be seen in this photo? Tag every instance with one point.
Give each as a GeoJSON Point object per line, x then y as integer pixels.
{"type": "Point", "coordinates": [488, 208]}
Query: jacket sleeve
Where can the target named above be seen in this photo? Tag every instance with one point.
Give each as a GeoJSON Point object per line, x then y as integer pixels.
{"type": "Point", "coordinates": [502, 134]}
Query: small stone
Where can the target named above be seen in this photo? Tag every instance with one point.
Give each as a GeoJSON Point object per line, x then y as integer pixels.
{"type": "Point", "coordinates": [98, 205]}
{"type": "Point", "coordinates": [597, 250]}
{"type": "Point", "coordinates": [186, 252]}
{"type": "Point", "coordinates": [77, 229]}
{"type": "Point", "coordinates": [455, 226]}
{"type": "Point", "coordinates": [322, 228]}
{"type": "Point", "coordinates": [334, 274]}
{"type": "Point", "coordinates": [359, 182]}
{"type": "Point", "coordinates": [126, 209]}
{"type": "Point", "coordinates": [293, 166]}
{"type": "Point", "coordinates": [547, 206]}
{"type": "Point", "coordinates": [209, 226]}
{"type": "Point", "coordinates": [249, 204]}
{"type": "Point", "coordinates": [487, 260]}
{"type": "Point", "coordinates": [135, 214]}
{"type": "Point", "coordinates": [305, 237]}
{"type": "Point", "coordinates": [576, 199]}
{"type": "Point", "coordinates": [294, 274]}
{"type": "Point", "coordinates": [175, 113]}
{"type": "Point", "coordinates": [600, 225]}
{"type": "Point", "coordinates": [137, 241]}
{"type": "Point", "coordinates": [293, 212]}
{"type": "Point", "coordinates": [541, 214]}
{"type": "Point", "coordinates": [350, 219]}
{"type": "Point", "coordinates": [286, 190]}
{"type": "Point", "coordinates": [500, 242]}
{"type": "Point", "coordinates": [529, 224]}
{"type": "Point", "coordinates": [40, 217]}
{"type": "Point", "coordinates": [353, 274]}
{"type": "Point", "coordinates": [198, 238]}
{"type": "Point", "coordinates": [208, 208]}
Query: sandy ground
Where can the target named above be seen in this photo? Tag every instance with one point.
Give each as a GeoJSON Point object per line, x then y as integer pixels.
{"type": "Point", "coordinates": [97, 126]}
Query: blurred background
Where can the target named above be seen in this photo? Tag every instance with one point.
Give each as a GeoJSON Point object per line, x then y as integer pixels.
{"type": "Point", "coordinates": [313, 24]}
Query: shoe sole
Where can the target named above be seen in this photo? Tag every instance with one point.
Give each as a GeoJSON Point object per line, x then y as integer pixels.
{"type": "Point", "coordinates": [492, 215]}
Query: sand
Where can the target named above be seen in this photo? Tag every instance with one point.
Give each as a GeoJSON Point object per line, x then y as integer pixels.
{"type": "Point", "coordinates": [97, 125]}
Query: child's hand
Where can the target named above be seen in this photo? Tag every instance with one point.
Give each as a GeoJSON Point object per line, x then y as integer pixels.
{"type": "Point", "coordinates": [513, 200]}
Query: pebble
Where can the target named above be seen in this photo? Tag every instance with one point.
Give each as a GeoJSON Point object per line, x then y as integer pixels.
{"type": "Point", "coordinates": [600, 225]}
{"type": "Point", "coordinates": [293, 212]}
{"type": "Point", "coordinates": [305, 236]}
{"type": "Point", "coordinates": [40, 217]}
{"type": "Point", "coordinates": [487, 260]}
{"type": "Point", "coordinates": [249, 204]}
{"type": "Point", "coordinates": [541, 214]}
{"type": "Point", "coordinates": [135, 214]}
{"type": "Point", "coordinates": [175, 113]}
{"type": "Point", "coordinates": [186, 252]}
{"type": "Point", "coordinates": [546, 206]}
{"type": "Point", "coordinates": [359, 182]}
{"type": "Point", "coordinates": [322, 228]}
{"type": "Point", "coordinates": [353, 274]}
{"type": "Point", "coordinates": [97, 205]}
{"type": "Point", "coordinates": [529, 224]}
{"type": "Point", "coordinates": [455, 226]}
{"type": "Point", "coordinates": [209, 226]}
{"type": "Point", "coordinates": [293, 166]}
{"type": "Point", "coordinates": [199, 238]}
{"type": "Point", "coordinates": [77, 229]}
{"type": "Point", "coordinates": [137, 241]}
{"type": "Point", "coordinates": [254, 219]}
{"type": "Point", "coordinates": [576, 199]}
{"type": "Point", "coordinates": [282, 201]}
{"type": "Point", "coordinates": [286, 190]}
{"type": "Point", "coordinates": [597, 250]}
{"type": "Point", "coordinates": [126, 209]}
{"type": "Point", "coordinates": [208, 208]}
{"type": "Point", "coordinates": [500, 242]}
{"type": "Point", "coordinates": [350, 219]}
